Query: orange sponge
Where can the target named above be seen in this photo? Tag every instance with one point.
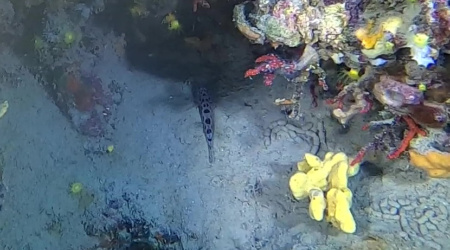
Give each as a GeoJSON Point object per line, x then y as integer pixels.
{"type": "Point", "coordinates": [369, 36]}
{"type": "Point", "coordinates": [436, 164]}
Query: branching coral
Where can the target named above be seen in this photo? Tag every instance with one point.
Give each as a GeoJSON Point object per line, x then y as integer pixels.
{"type": "Point", "coordinates": [387, 136]}
{"type": "Point", "coordinates": [345, 109]}
{"type": "Point", "coordinates": [412, 131]}
{"type": "Point", "coordinates": [272, 64]}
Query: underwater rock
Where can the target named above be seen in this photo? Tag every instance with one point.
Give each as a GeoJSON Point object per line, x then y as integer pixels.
{"type": "Point", "coordinates": [428, 115]}
{"type": "Point", "coordinates": [245, 27]}
{"type": "Point", "coordinates": [439, 94]}
{"type": "Point", "coordinates": [396, 94]}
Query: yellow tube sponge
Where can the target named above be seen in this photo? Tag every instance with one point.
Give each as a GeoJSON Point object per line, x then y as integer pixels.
{"type": "Point", "coordinates": [353, 170]}
{"type": "Point", "coordinates": [338, 176]}
{"type": "Point", "coordinates": [303, 166]}
{"type": "Point", "coordinates": [316, 176]}
{"type": "Point", "coordinates": [313, 161]}
{"type": "Point", "coordinates": [339, 202]}
{"type": "Point", "coordinates": [317, 204]}
{"type": "Point", "coordinates": [298, 183]}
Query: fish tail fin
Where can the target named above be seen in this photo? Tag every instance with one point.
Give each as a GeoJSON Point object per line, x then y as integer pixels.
{"type": "Point", "coordinates": [211, 154]}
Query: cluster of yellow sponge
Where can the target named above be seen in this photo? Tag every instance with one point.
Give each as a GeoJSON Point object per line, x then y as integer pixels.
{"type": "Point", "coordinates": [315, 177]}
{"type": "Point", "coordinates": [369, 36]}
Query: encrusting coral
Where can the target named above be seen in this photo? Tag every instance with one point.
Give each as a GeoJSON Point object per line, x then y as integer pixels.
{"type": "Point", "coordinates": [372, 38]}
{"type": "Point", "coordinates": [316, 176]}
{"type": "Point", "coordinates": [343, 109]}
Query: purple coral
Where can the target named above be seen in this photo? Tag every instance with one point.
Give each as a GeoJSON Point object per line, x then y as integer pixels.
{"type": "Point", "coordinates": [330, 2]}
{"type": "Point", "coordinates": [289, 18]}
{"type": "Point", "coordinates": [354, 9]}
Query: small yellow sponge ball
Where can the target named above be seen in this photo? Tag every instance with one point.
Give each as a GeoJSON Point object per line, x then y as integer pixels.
{"type": "Point", "coordinates": [174, 25]}
{"type": "Point", "coordinates": [353, 74]}
{"type": "Point", "coordinates": [421, 40]}
{"type": "Point", "coordinates": [69, 37]}
{"type": "Point", "coordinates": [76, 188]}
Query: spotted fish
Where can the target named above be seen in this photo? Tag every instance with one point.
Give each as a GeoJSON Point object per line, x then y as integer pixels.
{"type": "Point", "coordinates": [206, 114]}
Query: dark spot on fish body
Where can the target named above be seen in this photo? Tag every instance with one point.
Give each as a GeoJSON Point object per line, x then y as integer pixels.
{"type": "Point", "coordinates": [206, 111]}
{"type": "Point", "coordinates": [208, 131]}
{"type": "Point", "coordinates": [208, 121]}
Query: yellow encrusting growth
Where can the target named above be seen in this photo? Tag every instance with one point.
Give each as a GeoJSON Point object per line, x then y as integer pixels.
{"type": "Point", "coordinates": [172, 22]}
{"type": "Point", "coordinates": [421, 40]}
{"type": "Point", "coordinates": [369, 36]}
{"type": "Point", "coordinates": [422, 87]}
{"type": "Point", "coordinates": [316, 176]}
{"type": "Point", "coordinates": [76, 188]}
{"type": "Point", "coordinates": [345, 76]}
{"type": "Point", "coordinates": [353, 74]}
{"type": "Point", "coordinates": [392, 24]}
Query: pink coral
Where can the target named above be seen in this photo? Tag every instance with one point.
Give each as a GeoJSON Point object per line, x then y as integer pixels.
{"type": "Point", "coordinates": [269, 65]}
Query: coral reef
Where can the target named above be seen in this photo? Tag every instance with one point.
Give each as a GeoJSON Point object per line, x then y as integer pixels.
{"type": "Point", "coordinates": [351, 33]}
{"type": "Point", "coordinates": [333, 26]}
{"type": "Point", "coordinates": [390, 48]}
{"type": "Point", "coordinates": [272, 64]}
{"type": "Point", "coordinates": [344, 110]}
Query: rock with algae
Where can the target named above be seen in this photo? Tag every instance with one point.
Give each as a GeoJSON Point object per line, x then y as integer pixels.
{"type": "Point", "coordinates": [295, 22]}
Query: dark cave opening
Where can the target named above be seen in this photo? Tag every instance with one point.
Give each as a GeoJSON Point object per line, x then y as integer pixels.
{"type": "Point", "coordinates": [200, 50]}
